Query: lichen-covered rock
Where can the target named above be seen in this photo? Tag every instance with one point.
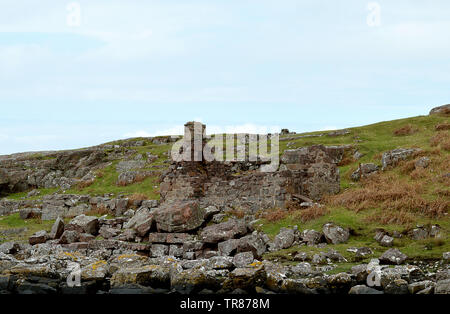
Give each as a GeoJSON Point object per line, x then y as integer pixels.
{"type": "Point", "coordinates": [194, 280]}
{"type": "Point", "coordinates": [283, 240]}
{"type": "Point", "coordinates": [392, 157]}
{"type": "Point", "coordinates": [149, 275]}
{"type": "Point", "coordinates": [223, 231]}
{"type": "Point", "coordinates": [419, 286]}
{"type": "Point", "coordinates": [422, 162]}
{"type": "Point", "coordinates": [254, 243]}
{"type": "Point", "coordinates": [84, 224]}
{"type": "Point", "coordinates": [158, 250]}
{"type": "Point", "coordinates": [398, 286]}
{"type": "Point", "coordinates": [57, 228]}
{"type": "Point", "coordinates": [442, 287]}
{"type": "Point", "coordinates": [335, 234]}
{"type": "Point", "coordinates": [363, 289]}
{"type": "Point", "coordinates": [180, 216]}
{"type": "Point", "coordinates": [364, 170]}
{"type": "Point", "coordinates": [245, 278]}
{"type": "Point", "coordinates": [69, 236]}
{"type": "Point", "coordinates": [311, 237]}
{"type": "Point", "coordinates": [141, 214]}
{"type": "Point", "coordinates": [228, 247]}
{"type": "Point", "coordinates": [95, 271]}
{"type": "Point", "coordinates": [393, 256]}
{"type": "Point", "coordinates": [243, 259]}
{"type": "Point", "coordinates": [39, 237]}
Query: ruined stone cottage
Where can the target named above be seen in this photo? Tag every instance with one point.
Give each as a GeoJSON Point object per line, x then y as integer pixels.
{"type": "Point", "coordinates": [307, 172]}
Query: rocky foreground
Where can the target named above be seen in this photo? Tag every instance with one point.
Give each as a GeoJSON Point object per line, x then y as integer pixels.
{"type": "Point", "coordinates": [203, 234]}
{"type": "Point", "coordinates": [99, 255]}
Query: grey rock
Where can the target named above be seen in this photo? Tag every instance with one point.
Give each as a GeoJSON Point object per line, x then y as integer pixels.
{"type": "Point", "coordinates": [141, 214]}
{"type": "Point", "coordinates": [283, 240]}
{"type": "Point", "coordinates": [69, 236]}
{"type": "Point", "coordinates": [422, 162]}
{"type": "Point", "coordinates": [176, 250]}
{"type": "Point", "coordinates": [364, 170]}
{"type": "Point", "coordinates": [363, 289]}
{"type": "Point", "coordinates": [398, 286]}
{"type": "Point", "coordinates": [387, 241]}
{"type": "Point", "coordinates": [311, 237]}
{"type": "Point", "coordinates": [419, 286]}
{"type": "Point", "coordinates": [301, 256]}
{"type": "Point", "coordinates": [335, 234]}
{"type": "Point", "coordinates": [442, 287]}
{"type": "Point", "coordinates": [445, 109]}
{"type": "Point", "coordinates": [393, 256]}
{"type": "Point", "coordinates": [252, 243]}
{"type": "Point", "coordinates": [84, 224]}
{"type": "Point", "coordinates": [228, 247]}
{"type": "Point", "coordinates": [39, 237]}
{"type": "Point", "coordinates": [179, 216]}
{"type": "Point", "coordinates": [158, 250]}
{"type": "Point", "coordinates": [57, 228]}
{"type": "Point", "coordinates": [391, 158]}
{"type": "Point", "coordinates": [243, 259]}
{"type": "Point", "coordinates": [223, 231]}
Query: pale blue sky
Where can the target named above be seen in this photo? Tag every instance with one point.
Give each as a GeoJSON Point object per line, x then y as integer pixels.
{"type": "Point", "coordinates": [146, 67]}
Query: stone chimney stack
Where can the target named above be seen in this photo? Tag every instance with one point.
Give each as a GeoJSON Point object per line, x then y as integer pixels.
{"type": "Point", "coordinates": [195, 138]}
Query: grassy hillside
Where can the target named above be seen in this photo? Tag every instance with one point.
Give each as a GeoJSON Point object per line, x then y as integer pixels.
{"type": "Point", "coordinates": [396, 199]}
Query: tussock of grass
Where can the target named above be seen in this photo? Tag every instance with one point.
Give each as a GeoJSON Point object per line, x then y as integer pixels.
{"type": "Point", "coordinates": [392, 195]}
{"type": "Point", "coordinates": [406, 130]}
{"type": "Point", "coordinates": [442, 126]}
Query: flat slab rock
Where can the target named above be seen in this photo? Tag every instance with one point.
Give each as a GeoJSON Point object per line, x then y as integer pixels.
{"type": "Point", "coordinates": [180, 216]}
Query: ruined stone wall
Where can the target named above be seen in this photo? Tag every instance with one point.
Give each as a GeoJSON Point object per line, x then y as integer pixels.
{"type": "Point", "coordinates": [310, 171]}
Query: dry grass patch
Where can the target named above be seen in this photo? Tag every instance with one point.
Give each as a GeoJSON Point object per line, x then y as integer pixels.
{"type": "Point", "coordinates": [442, 126]}
{"type": "Point", "coordinates": [238, 213]}
{"type": "Point", "coordinates": [84, 184]}
{"type": "Point", "coordinates": [442, 139]}
{"type": "Point", "coordinates": [391, 217]}
{"type": "Point", "coordinates": [275, 215]}
{"type": "Point", "coordinates": [390, 194]}
{"type": "Point", "coordinates": [135, 198]}
{"type": "Point", "coordinates": [312, 213]}
{"type": "Point", "coordinates": [98, 211]}
{"type": "Point", "coordinates": [406, 130]}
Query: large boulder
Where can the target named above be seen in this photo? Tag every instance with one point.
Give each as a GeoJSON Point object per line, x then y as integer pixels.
{"type": "Point", "coordinates": [254, 243]}
{"type": "Point", "coordinates": [84, 224]}
{"type": "Point", "coordinates": [180, 216]}
{"type": "Point", "coordinates": [283, 240]}
{"type": "Point", "coordinates": [445, 109]}
{"type": "Point", "coordinates": [140, 215]}
{"type": "Point", "coordinates": [69, 236]}
{"type": "Point", "coordinates": [311, 237]}
{"type": "Point", "coordinates": [223, 231]}
{"type": "Point", "coordinates": [335, 234]}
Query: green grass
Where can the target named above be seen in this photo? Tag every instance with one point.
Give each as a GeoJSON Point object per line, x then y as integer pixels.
{"type": "Point", "coordinates": [23, 195]}
{"type": "Point", "coordinates": [14, 221]}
